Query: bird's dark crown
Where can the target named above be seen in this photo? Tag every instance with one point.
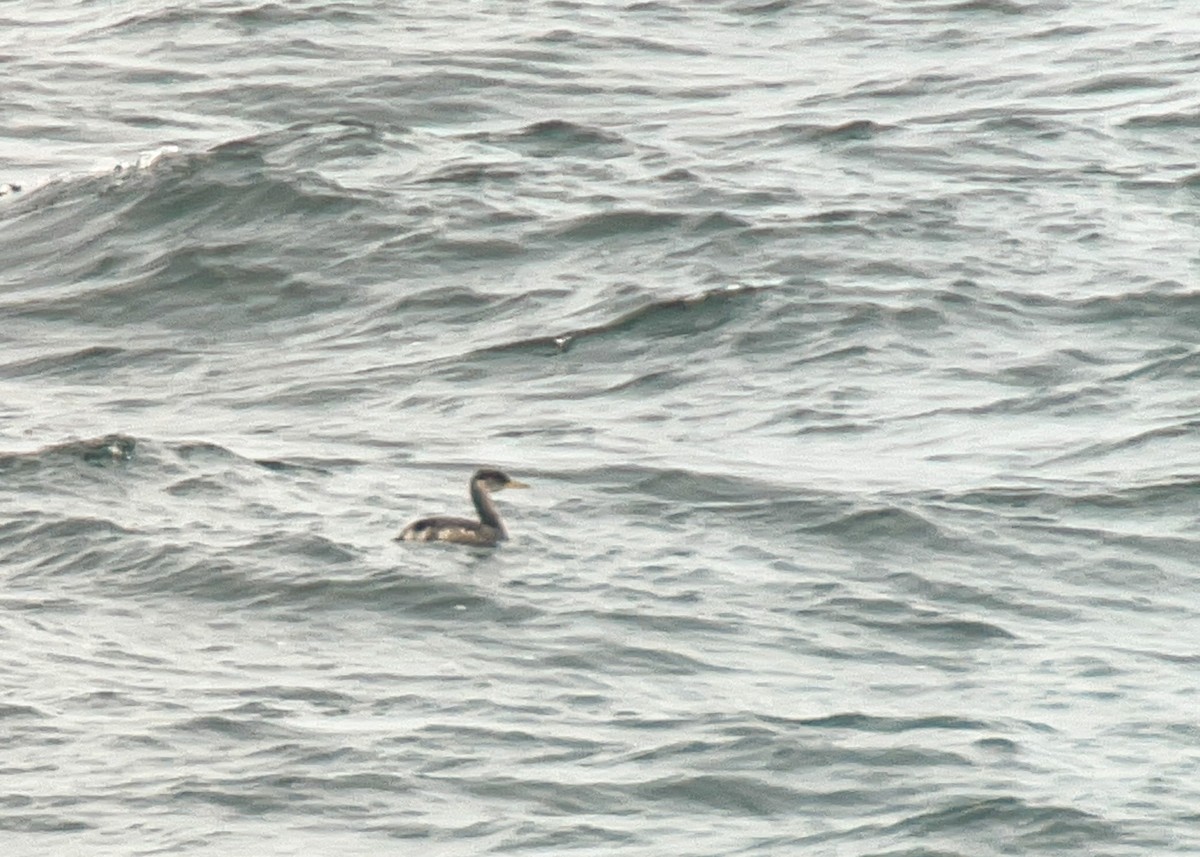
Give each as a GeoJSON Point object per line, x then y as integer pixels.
{"type": "Point", "coordinates": [493, 478]}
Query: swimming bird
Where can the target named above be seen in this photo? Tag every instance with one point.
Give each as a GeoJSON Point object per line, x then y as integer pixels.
{"type": "Point", "coordinates": [487, 531]}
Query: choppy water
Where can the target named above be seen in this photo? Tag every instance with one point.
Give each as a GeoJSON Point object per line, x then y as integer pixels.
{"type": "Point", "coordinates": [851, 349]}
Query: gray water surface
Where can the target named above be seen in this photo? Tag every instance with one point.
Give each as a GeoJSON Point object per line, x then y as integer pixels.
{"type": "Point", "coordinates": [850, 349]}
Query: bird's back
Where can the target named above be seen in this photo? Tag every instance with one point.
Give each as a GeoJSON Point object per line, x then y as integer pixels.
{"type": "Point", "coordinates": [447, 529]}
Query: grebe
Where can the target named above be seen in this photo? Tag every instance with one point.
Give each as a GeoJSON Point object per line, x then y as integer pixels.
{"type": "Point", "coordinates": [488, 530]}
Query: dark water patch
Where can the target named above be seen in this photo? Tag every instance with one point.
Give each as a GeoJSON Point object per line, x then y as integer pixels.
{"type": "Point", "coordinates": [439, 300]}
{"type": "Point", "coordinates": [727, 794]}
{"type": "Point", "coordinates": [784, 750]}
{"type": "Point", "coordinates": [656, 322]}
{"type": "Point", "coordinates": [650, 497]}
{"type": "Point", "coordinates": [917, 86]}
{"type": "Point", "coordinates": [1041, 373]}
{"type": "Point", "coordinates": [1188, 660]}
{"type": "Point", "coordinates": [669, 623]}
{"type": "Point", "coordinates": [255, 20]}
{"type": "Point", "coordinates": [263, 16]}
{"type": "Point", "coordinates": [637, 386]}
{"type": "Point", "coordinates": [101, 451]}
{"type": "Point", "coordinates": [199, 453]}
{"type": "Point", "coordinates": [617, 659]}
{"type": "Point", "coordinates": [192, 571]}
{"type": "Point", "coordinates": [410, 831]}
{"type": "Point", "coordinates": [308, 547]}
{"type": "Point", "coordinates": [857, 129]}
{"type": "Point", "coordinates": [887, 524]}
{"type": "Point", "coordinates": [1042, 127]}
{"type": "Point", "coordinates": [1186, 731]}
{"type": "Point", "coordinates": [42, 823]}
{"type": "Point", "coordinates": [1063, 31]}
{"type": "Point", "coordinates": [984, 595]}
{"type": "Point", "coordinates": [900, 619]}
{"type": "Point", "coordinates": [968, 302]}
{"type": "Point", "coordinates": [545, 747]}
{"type": "Point", "coordinates": [443, 95]}
{"type": "Point", "coordinates": [244, 803]}
{"type": "Point", "coordinates": [553, 136]}
{"type": "Point", "coordinates": [1043, 502]}
{"type": "Point", "coordinates": [533, 838]}
{"type": "Point", "coordinates": [9, 712]}
{"type": "Point", "coordinates": [1174, 119]}
{"type": "Point", "coordinates": [171, 19]}
{"type": "Point", "coordinates": [93, 363]}
{"type": "Point", "coordinates": [468, 250]}
{"type": "Point", "coordinates": [168, 243]}
{"type": "Point", "coordinates": [594, 41]}
{"type": "Point", "coordinates": [859, 721]}
{"type": "Point", "coordinates": [679, 174]}
{"type": "Point", "coordinates": [197, 487]}
{"type": "Point", "coordinates": [1178, 363]}
{"type": "Point", "coordinates": [299, 595]}
{"type": "Point", "coordinates": [1119, 83]}
{"type": "Point", "coordinates": [186, 287]}
{"type": "Point", "coordinates": [934, 627]}
{"type": "Point", "coordinates": [841, 217]}
{"type": "Point", "coordinates": [718, 222]}
{"type": "Point", "coordinates": [1052, 501]}
{"type": "Point", "coordinates": [679, 317]}
{"type": "Point", "coordinates": [272, 793]}
{"type": "Point", "coordinates": [609, 224]}
{"type": "Point", "coordinates": [860, 328]}
{"type": "Point", "coordinates": [105, 700]}
{"type": "Point", "coordinates": [329, 142]}
{"type": "Point", "coordinates": [301, 464]}
{"type": "Point", "coordinates": [676, 486]}
{"type": "Point", "coordinates": [1014, 822]}
{"type": "Point", "coordinates": [679, 751]}
{"type": "Point", "coordinates": [1140, 563]}
{"type": "Point", "coordinates": [472, 174]}
{"type": "Point", "coordinates": [247, 726]}
{"type": "Point", "coordinates": [203, 451]}
{"type": "Point", "coordinates": [551, 798]}
{"type": "Point", "coordinates": [998, 745]}
{"type": "Point", "coordinates": [430, 250]}
{"type": "Point", "coordinates": [1139, 440]}
{"type": "Point", "coordinates": [44, 606]}
{"type": "Point", "coordinates": [999, 7]}
{"type": "Point", "coordinates": [1165, 302]}
{"type": "Point", "coordinates": [72, 548]}
{"type": "Point", "coordinates": [883, 270]}
{"type": "Point", "coordinates": [761, 7]}
{"type": "Point", "coordinates": [876, 760]}
{"type": "Point", "coordinates": [1095, 399]}
{"type": "Point", "coordinates": [320, 699]}
{"type": "Point", "coordinates": [885, 649]}
{"type": "Point", "coordinates": [804, 421]}
{"type": "Point", "coordinates": [734, 795]}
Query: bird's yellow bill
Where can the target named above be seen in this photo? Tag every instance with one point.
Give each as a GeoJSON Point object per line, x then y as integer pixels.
{"type": "Point", "coordinates": [512, 483]}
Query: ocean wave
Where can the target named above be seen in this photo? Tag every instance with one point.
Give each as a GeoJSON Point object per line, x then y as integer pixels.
{"type": "Point", "coordinates": [170, 21]}
{"type": "Point", "coordinates": [562, 133]}
{"type": "Point", "coordinates": [157, 243]}
{"type": "Point", "coordinates": [1039, 825]}
{"type": "Point", "coordinates": [657, 319]}
{"type": "Point", "coordinates": [109, 449]}
{"type": "Point", "coordinates": [856, 395]}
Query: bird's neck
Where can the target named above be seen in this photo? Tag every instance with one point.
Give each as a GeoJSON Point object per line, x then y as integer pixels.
{"type": "Point", "coordinates": [488, 513]}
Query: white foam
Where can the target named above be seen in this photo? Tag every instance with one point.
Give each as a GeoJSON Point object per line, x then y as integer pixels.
{"type": "Point", "coordinates": [145, 160]}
